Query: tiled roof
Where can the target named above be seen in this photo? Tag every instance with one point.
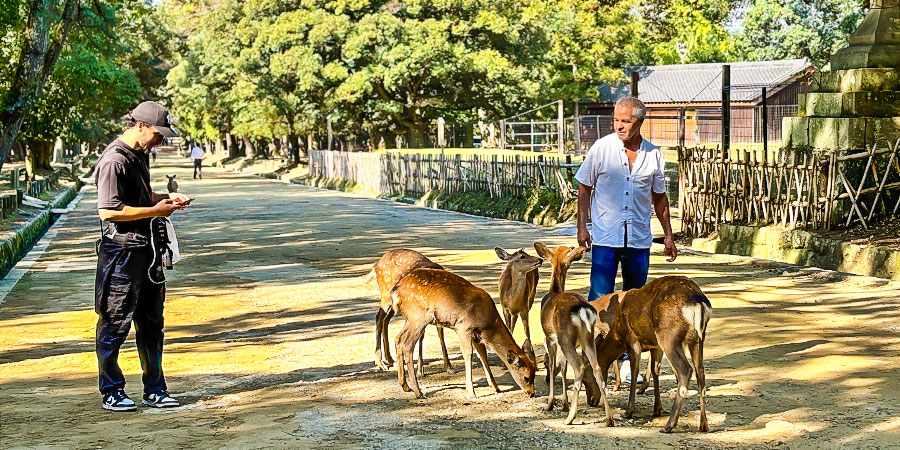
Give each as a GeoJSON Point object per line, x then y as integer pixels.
{"type": "Point", "coordinates": [686, 83]}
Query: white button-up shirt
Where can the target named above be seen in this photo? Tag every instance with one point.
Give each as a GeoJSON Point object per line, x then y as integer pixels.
{"type": "Point", "coordinates": [622, 201]}
{"type": "Point", "coordinates": [197, 153]}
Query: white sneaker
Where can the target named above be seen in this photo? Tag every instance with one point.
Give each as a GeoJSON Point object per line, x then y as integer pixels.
{"type": "Point", "coordinates": [160, 399]}
{"type": "Point", "coordinates": [116, 400]}
{"type": "Point", "coordinates": [625, 372]}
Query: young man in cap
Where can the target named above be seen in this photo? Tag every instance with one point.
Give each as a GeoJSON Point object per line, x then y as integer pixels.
{"type": "Point", "coordinates": [130, 286]}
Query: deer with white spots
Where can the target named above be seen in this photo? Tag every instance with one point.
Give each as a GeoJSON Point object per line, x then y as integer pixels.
{"type": "Point", "coordinates": [390, 268]}
{"type": "Point", "coordinates": [667, 315]}
{"type": "Point", "coordinates": [568, 321]}
{"type": "Point", "coordinates": [440, 297]}
{"type": "Point", "coordinates": [518, 285]}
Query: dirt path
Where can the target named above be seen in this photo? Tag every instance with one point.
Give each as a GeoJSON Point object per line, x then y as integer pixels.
{"type": "Point", "coordinates": [270, 340]}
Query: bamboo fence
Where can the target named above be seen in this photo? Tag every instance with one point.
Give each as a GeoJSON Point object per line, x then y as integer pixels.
{"type": "Point", "coordinates": [812, 190]}
{"type": "Point", "coordinates": [414, 175]}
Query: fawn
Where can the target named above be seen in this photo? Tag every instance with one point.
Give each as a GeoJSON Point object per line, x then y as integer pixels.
{"type": "Point", "coordinates": [518, 285]}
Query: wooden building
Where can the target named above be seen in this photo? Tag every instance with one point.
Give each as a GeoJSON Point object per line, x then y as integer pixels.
{"type": "Point", "coordinates": [689, 97]}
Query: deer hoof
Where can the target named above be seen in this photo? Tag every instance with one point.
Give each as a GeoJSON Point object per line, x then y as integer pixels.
{"type": "Point", "coordinates": [628, 414]}
{"type": "Point", "coordinates": [420, 396]}
{"type": "Point", "coordinates": [549, 407]}
{"type": "Point", "coordinates": [667, 429]}
{"type": "Point", "coordinates": [609, 422]}
{"type": "Point", "coordinates": [450, 370]}
{"type": "Point", "coordinates": [657, 412]}
{"type": "Point", "coordinates": [704, 425]}
{"type": "Point", "coordinates": [405, 388]}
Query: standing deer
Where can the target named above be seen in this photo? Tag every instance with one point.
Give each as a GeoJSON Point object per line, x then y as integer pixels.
{"type": "Point", "coordinates": [568, 322]}
{"type": "Point", "coordinates": [390, 268]}
{"type": "Point", "coordinates": [668, 315]}
{"type": "Point", "coordinates": [432, 296]}
{"type": "Point", "coordinates": [172, 185]}
{"type": "Point", "coordinates": [606, 307]}
{"type": "Point", "coordinates": [518, 285]}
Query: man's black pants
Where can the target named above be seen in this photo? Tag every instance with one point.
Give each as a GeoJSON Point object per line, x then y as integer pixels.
{"type": "Point", "coordinates": [124, 293]}
{"type": "Point", "coordinates": [198, 168]}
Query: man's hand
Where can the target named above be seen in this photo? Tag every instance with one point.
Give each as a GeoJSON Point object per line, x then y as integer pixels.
{"type": "Point", "coordinates": [165, 208]}
{"type": "Point", "coordinates": [584, 237]}
{"type": "Point", "coordinates": [671, 251]}
{"type": "Point", "coordinates": [180, 199]}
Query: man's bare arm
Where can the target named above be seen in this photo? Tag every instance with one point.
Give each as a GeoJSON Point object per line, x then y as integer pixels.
{"type": "Point", "coordinates": [661, 206]}
{"type": "Point", "coordinates": [584, 207]}
{"type": "Point", "coordinates": [128, 213]}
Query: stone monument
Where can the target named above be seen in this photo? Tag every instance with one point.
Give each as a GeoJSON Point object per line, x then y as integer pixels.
{"type": "Point", "coordinates": [856, 103]}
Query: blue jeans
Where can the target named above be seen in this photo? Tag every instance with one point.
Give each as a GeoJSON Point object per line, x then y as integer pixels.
{"type": "Point", "coordinates": [605, 264]}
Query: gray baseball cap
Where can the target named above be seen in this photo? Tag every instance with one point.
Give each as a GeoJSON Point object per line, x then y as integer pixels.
{"type": "Point", "coordinates": [153, 113]}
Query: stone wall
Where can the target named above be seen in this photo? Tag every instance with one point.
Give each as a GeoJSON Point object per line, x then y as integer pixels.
{"type": "Point", "coordinates": [14, 248]}
{"type": "Point", "coordinates": [802, 247]}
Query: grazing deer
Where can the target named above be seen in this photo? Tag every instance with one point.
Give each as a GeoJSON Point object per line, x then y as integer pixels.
{"type": "Point", "coordinates": [172, 186]}
{"type": "Point", "coordinates": [432, 296]}
{"type": "Point", "coordinates": [606, 307]}
{"type": "Point", "coordinates": [518, 285]}
{"type": "Point", "coordinates": [668, 315]}
{"type": "Point", "coordinates": [568, 322]}
{"type": "Point", "coordinates": [390, 268]}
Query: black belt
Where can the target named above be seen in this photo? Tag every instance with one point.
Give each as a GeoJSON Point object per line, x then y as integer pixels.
{"type": "Point", "coordinates": [128, 239]}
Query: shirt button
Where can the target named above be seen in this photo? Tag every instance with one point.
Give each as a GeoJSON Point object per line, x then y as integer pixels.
{"type": "Point", "coordinates": [626, 193]}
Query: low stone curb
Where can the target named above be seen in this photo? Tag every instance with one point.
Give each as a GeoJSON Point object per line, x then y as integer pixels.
{"type": "Point", "coordinates": [803, 248]}
{"type": "Point", "coordinates": [13, 249]}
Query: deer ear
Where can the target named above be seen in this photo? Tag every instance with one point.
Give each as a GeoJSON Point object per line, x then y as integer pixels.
{"type": "Point", "coordinates": [576, 254]}
{"type": "Point", "coordinates": [501, 253]}
{"type": "Point", "coordinates": [542, 250]}
{"type": "Point", "coordinates": [512, 357]}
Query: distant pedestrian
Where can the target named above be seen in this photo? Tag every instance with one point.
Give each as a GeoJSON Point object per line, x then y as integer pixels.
{"type": "Point", "coordinates": [153, 153]}
{"type": "Point", "coordinates": [197, 156]}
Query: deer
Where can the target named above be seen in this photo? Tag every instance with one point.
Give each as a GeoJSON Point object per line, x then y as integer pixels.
{"type": "Point", "coordinates": [390, 268]}
{"type": "Point", "coordinates": [518, 286]}
{"type": "Point", "coordinates": [668, 316]}
{"type": "Point", "coordinates": [433, 296]}
{"type": "Point", "coordinates": [172, 186]}
{"type": "Point", "coordinates": [568, 321]}
{"type": "Point", "coordinates": [606, 307]}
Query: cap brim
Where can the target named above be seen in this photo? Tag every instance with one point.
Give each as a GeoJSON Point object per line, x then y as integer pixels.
{"type": "Point", "coordinates": [166, 131]}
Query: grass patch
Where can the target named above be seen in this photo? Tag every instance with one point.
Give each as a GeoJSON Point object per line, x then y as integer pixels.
{"type": "Point", "coordinates": [538, 206]}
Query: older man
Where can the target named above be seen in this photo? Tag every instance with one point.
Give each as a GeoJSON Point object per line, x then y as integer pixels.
{"type": "Point", "coordinates": [625, 174]}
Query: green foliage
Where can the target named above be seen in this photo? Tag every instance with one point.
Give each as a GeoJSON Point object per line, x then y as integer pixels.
{"type": "Point", "coordinates": [783, 29]}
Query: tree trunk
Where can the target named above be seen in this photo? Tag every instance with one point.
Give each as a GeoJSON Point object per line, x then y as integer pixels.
{"type": "Point", "coordinates": [415, 138]}
{"type": "Point", "coordinates": [249, 149]}
{"type": "Point", "coordinates": [38, 155]}
{"type": "Point", "coordinates": [36, 61]}
{"type": "Point", "coordinates": [295, 147]}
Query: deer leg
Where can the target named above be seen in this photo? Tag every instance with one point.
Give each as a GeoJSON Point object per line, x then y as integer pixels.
{"type": "Point", "coordinates": [550, 360]}
{"type": "Point", "coordinates": [574, 359]}
{"type": "Point", "coordinates": [646, 382]}
{"type": "Point", "coordinates": [409, 346]}
{"type": "Point", "coordinates": [384, 335]}
{"type": "Point", "coordinates": [655, 363]}
{"type": "Point", "coordinates": [401, 367]}
{"type": "Point", "coordinates": [512, 322]}
{"type": "Point", "coordinates": [447, 366]}
{"type": "Point", "coordinates": [507, 319]}
{"type": "Point", "coordinates": [563, 371]}
{"type": "Point", "coordinates": [634, 355]}
{"type": "Point", "coordinates": [482, 355]}
{"type": "Point", "coordinates": [379, 360]}
{"type": "Point", "coordinates": [527, 328]}
{"type": "Point", "coordinates": [465, 344]}
{"type": "Point", "coordinates": [682, 368]}
{"type": "Point", "coordinates": [697, 357]}
{"type": "Point", "coordinates": [421, 362]}
{"type": "Point", "coordinates": [616, 375]}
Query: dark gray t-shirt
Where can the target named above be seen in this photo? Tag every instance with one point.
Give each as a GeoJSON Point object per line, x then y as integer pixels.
{"type": "Point", "coordinates": [123, 178]}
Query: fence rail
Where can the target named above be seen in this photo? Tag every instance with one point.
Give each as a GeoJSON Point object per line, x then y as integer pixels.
{"type": "Point", "coordinates": [415, 175]}
{"type": "Point", "coordinates": [807, 190]}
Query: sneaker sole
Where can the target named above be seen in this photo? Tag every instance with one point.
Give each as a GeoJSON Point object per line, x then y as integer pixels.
{"type": "Point", "coordinates": [157, 405]}
{"type": "Point", "coordinates": [118, 408]}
